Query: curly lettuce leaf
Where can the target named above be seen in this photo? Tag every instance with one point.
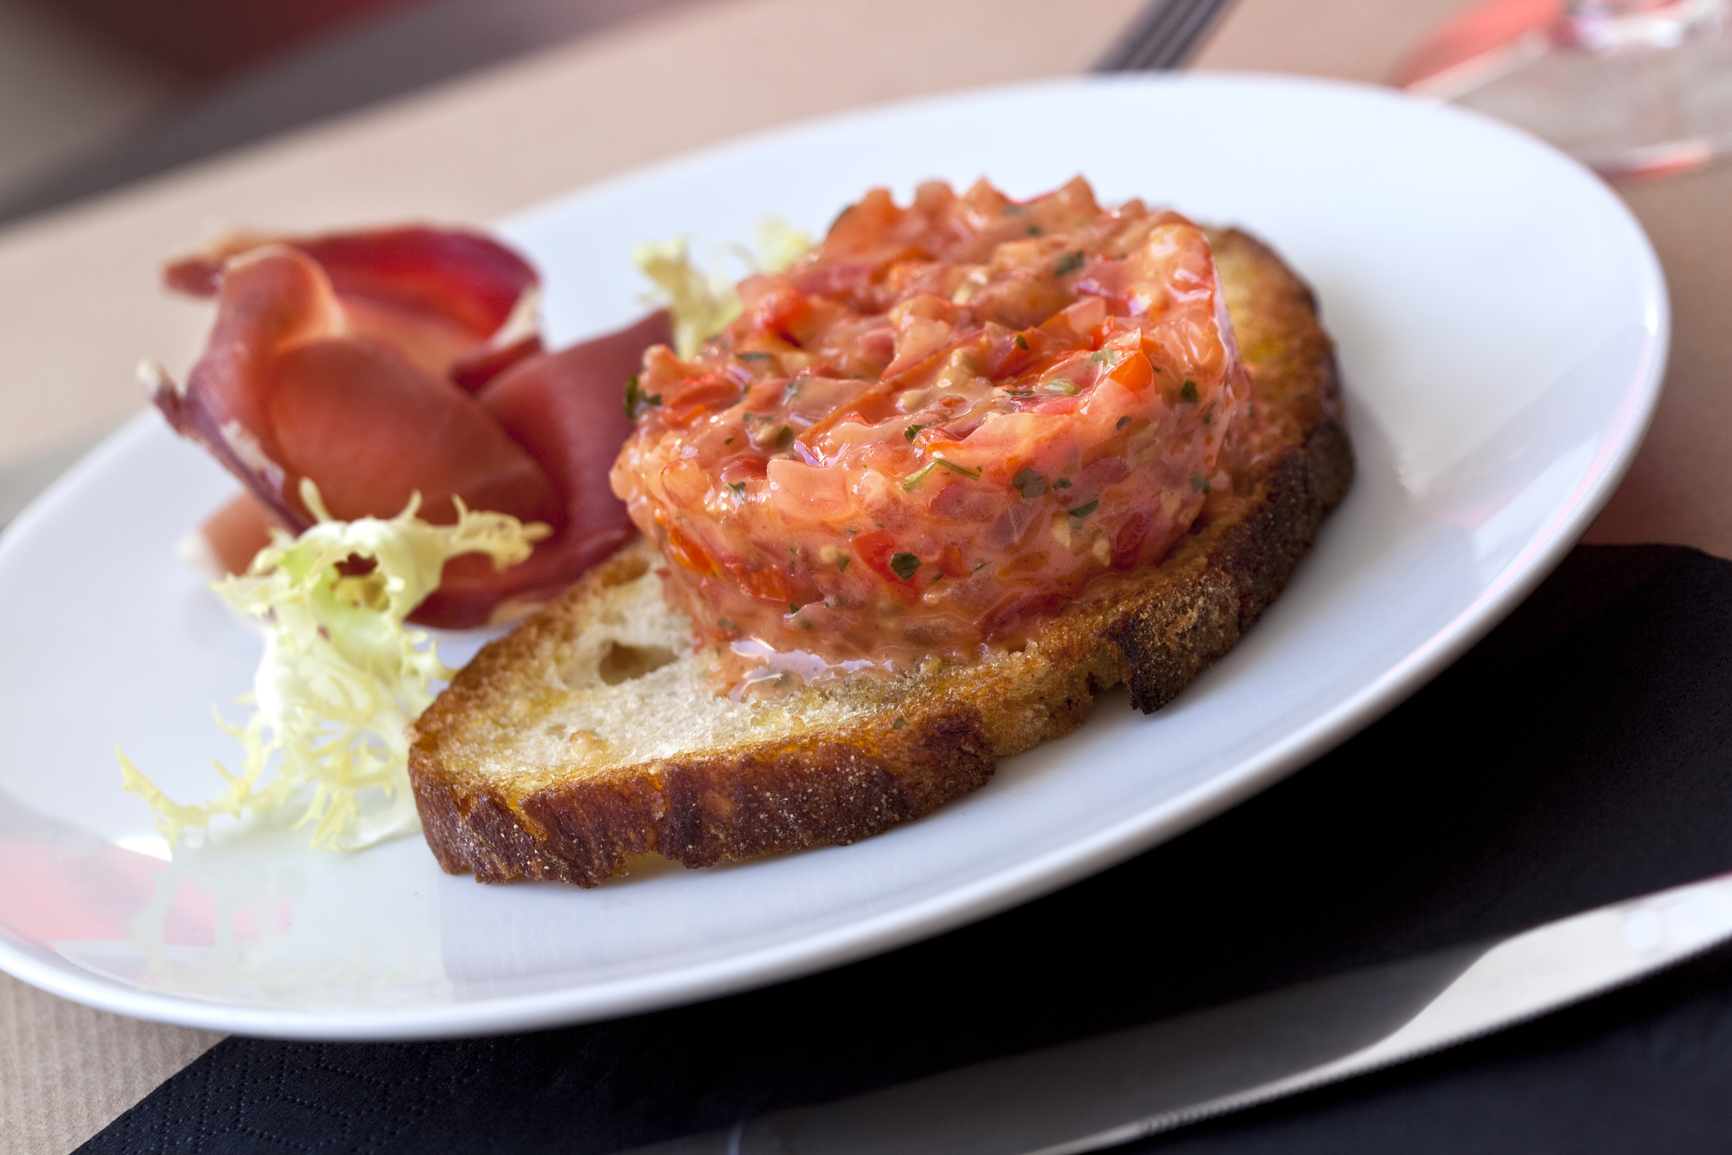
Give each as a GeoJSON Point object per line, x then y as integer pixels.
{"type": "Point", "coordinates": [702, 303]}
{"type": "Point", "coordinates": [341, 678]}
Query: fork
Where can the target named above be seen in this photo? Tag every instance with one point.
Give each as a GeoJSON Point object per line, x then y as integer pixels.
{"type": "Point", "coordinates": [1163, 36]}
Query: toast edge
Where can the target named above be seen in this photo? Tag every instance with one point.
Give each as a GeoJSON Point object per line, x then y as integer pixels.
{"type": "Point", "coordinates": [1169, 640]}
{"type": "Point", "coordinates": [730, 805]}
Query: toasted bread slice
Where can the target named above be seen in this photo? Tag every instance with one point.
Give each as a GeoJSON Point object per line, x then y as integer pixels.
{"type": "Point", "coordinates": [592, 733]}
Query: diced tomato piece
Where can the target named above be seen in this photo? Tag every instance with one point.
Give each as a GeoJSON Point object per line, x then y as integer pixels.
{"type": "Point", "coordinates": [876, 550]}
{"type": "Point", "coordinates": [1134, 372]}
{"type": "Point", "coordinates": [689, 553]}
{"type": "Point", "coordinates": [702, 395]}
{"type": "Point", "coordinates": [780, 312]}
{"type": "Point", "coordinates": [765, 582]}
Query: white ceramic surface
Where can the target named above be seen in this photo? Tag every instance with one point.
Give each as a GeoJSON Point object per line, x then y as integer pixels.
{"type": "Point", "coordinates": [1502, 326]}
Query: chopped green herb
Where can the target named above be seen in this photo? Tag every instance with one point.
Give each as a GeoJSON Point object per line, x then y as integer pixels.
{"type": "Point", "coordinates": [1069, 263]}
{"type": "Point", "coordinates": [899, 723]}
{"type": "Point", "coordinates": [1061, 483]}
{"type": "Point", "coordinates": [737, 486]}
{"type": "Point", "coordinates": [1199, 483]}
{"type": "Point", "coordinates": [785, 438]}
{"type": "Point", "coordinates": [1021, 341]}
{"type": "Point", "coordinates": [978, 568]}
{"type": "Point", "coordinates": [1123, 421]}
{"type": "Point", "coordinates": [753, 356]}
{"type": "Point", "coordinates": [792, 608]}
{"type": "Point", "coordinates": [1035, 230]}
{"type": "Point", "coordinates": [1084, 510]}
{"type": "Point", "coordinates": [937, 579]}
{"type": "Point", "coordinates": [1189, 392]}
{"type": "Point", "coordinates": [1060, 385]}
{"type": "Point", "coordinates": [726, 623]}
{"type": "Point", "coordinates": [1030, 483]}
{"type": "Point", "coordinates": [729, 441]}
{"type": "Point", "coordinates": [635, 399]}
{"type": "Point", "coordinates": [1209, 414]}
{"type": "Point", "coordinates": [842, 566]}
{"type": "Point", "coordinates": [971, 474]}
{"type": "Point", "coordinates": [919, 475]}
{"type": "Point", "coordinates": [910, 433]}
{"type": "Point", "coordinates": [904, 564]}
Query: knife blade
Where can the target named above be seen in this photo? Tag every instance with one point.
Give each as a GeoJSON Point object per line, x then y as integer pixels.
{"type": "Point", "coordinates": [1123, 1086]}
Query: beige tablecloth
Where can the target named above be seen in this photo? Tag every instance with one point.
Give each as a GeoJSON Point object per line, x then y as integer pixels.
{"type": "Point", "coordinates": [82, 306]}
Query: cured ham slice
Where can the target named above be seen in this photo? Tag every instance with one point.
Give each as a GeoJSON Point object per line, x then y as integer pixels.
{"type": "Point", "coordinates": [564, 409]}
{"type": "Point", "coordinates": [465, 280]}
{"type": "Point", "coordinates": [405, 361]}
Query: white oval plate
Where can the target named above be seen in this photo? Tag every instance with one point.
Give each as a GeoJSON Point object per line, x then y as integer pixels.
{"type": "Point", "coordinates": [1502, 325]}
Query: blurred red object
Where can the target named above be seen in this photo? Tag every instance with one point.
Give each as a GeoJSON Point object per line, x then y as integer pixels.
{"type": "Point", "coordinates": [1471, 35]}
{"type": "Point", "coordinates": [203, 40]}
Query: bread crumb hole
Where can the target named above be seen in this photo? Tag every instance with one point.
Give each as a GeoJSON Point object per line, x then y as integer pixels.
{"type": "Point", "coordinates": [622, 663]}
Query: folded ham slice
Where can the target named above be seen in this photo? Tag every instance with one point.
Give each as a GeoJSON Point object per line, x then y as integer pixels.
{"type": "Point", "coordinates": [403, 361]}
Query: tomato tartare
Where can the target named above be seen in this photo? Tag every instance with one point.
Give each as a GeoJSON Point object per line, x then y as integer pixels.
{"type": "Point", "coordinates": [933, 430]}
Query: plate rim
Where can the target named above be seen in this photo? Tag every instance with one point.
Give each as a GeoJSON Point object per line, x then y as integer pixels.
{"type": "Point", "coordinates": [938, 913]}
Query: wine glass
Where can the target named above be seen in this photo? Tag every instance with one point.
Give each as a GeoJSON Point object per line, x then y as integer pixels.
{"type": "Point", "coordinates": [1630, 87]}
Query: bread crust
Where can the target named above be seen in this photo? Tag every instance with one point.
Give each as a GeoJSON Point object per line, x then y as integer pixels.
{"type": "Point", "coordinates": [924, 738]}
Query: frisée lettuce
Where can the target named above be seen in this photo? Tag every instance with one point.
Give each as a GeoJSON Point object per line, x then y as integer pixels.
{"type": "Point", "coordinates": [701, 304]}
{"type": "Point", "coordinates": [341, 678]}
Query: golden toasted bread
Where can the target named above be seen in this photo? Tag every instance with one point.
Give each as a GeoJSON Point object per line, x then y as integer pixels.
{"type": "Point", "coordinates": [592, 732]}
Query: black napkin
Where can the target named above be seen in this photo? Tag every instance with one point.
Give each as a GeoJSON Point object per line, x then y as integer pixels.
{"type": "Point", "coordinates": [1582, 753]}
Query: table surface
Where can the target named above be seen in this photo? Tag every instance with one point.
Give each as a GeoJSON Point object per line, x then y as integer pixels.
{"type": "Point", "coordinates": [83, 306]}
